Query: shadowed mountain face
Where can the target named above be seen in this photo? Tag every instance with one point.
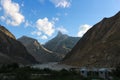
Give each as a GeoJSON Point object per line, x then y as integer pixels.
{"type": "Point", "coordinates": [99, 47]}
{"type": "Point", "coordinates": [40, 53]}
{"type": "Point", "coordinates": [61, 44]}
{"type": "Point", "coordinates": [11, 50]}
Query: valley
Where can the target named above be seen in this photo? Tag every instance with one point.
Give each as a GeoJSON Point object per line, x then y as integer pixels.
{"type": "Point", "coordinates": [59, 40]}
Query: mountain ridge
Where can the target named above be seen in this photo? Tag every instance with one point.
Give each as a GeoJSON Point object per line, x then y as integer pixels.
{"type": "Point", "coordinates": [61, 43]}
{"type": "Point", "coordinates": [13, 49]}
{"type": "Point", "coordinates": [40, 53]}
{"type": "Point", "coordinates": [99, 47]}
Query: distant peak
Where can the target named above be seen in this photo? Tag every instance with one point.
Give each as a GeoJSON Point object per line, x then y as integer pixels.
{"type": "Point", "coordinates": [28, 38]}
{"type": "Point", "coordinates": [24, 36]}
{"type": "Point", "coordinates": [59, 33]}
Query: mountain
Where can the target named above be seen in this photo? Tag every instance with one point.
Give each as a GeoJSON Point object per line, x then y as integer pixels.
{"type": "Point", "coordinates": [99, 47]}
{"type": "Point", "coordinates": [12, 50]}
{"type": "Point", "coordinates": [61, 44]}
{"type": "Point", "coordinates": [40, 53]}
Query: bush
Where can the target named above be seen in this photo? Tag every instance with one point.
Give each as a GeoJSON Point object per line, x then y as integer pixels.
{"type": "Point", "coordinates": [116, 72]}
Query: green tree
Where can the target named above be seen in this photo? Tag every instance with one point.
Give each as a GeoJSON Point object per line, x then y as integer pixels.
{"type": "Point", "coordinates": [116, 72]}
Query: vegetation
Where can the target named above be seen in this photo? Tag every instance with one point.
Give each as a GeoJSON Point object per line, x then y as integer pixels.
{"type": "Point", "coordinates": [116, 72]}
{"type": "Point", "coordinates": [15, 72]}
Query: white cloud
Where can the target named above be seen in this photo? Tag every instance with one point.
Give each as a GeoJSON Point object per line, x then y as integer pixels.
{"type": "Point", "coordinates": [62, 29]}
{"type": "Point", "coordinates": [27, 23]}
{"type": "Point", "coordinates": [12, 12]}
{"type": "Point", "coordinates": [61, 3]}
{"type": "Point", "coordinates": [38, 33]}
{"type": "Point", "coordinates": [45, 26]}
{"type": "Point", "coordinates": [44, 37]}
{"type": "Point", "coordinates": [83, 29]}
{"type": "Point", "coordinates": [2, 18]}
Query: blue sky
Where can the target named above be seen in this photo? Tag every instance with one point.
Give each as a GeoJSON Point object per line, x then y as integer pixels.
{"type": "Point", "coordinates": [42, 19]}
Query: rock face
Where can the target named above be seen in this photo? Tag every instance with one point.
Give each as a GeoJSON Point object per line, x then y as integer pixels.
{"type": "Point", "coordinates": [61, 44]}
{"type": "Point", "coordinates": [40, 53]}
{"type": "Point", "coordinates": [12, 50]}
{"type": "Point", "coordinates": [5, 31]}
{"type": "Point", "coordinates": [99, 47]}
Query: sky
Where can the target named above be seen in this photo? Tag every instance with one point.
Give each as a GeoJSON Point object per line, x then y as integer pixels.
{"type": "Point", "coordinates": [42, 19]}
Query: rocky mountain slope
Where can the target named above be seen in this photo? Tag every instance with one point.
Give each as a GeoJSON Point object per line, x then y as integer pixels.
{"type": "Point", "coordinates": [99, 47]}
{"type": "Point", "coordinates": [12, 50]}
{"type": "Point", "coordinates": [61, 44]}
{"type": "Point", "coordinates": [40, 53]}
